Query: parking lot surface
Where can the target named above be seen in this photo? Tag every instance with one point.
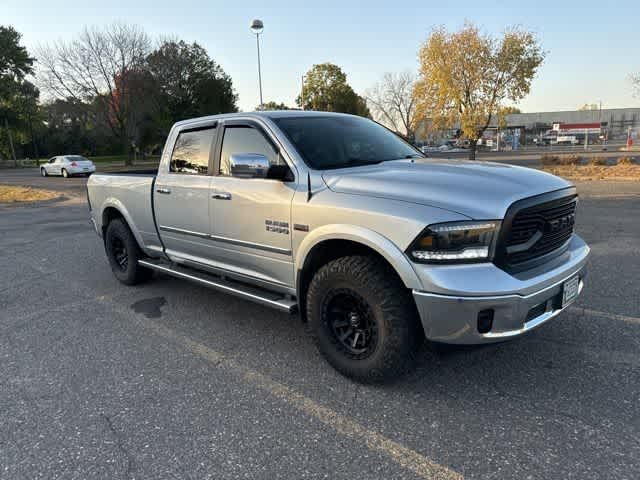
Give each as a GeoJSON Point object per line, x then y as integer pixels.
{"type": "Point", "coordinates": [171, 380]}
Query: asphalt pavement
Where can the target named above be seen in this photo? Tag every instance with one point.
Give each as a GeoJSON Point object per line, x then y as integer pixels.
{"type": "Point", "coordinates": [171, 380]}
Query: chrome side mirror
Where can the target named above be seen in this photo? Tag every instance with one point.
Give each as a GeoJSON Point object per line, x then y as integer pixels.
{"type": "Point", "coordinates": [249, 165]}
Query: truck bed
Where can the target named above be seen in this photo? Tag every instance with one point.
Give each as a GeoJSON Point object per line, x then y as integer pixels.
{"type": "Point", "coordinates": [131, 193]}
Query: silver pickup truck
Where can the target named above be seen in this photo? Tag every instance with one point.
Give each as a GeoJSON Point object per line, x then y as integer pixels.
{"type": "Point", "coordinates": [338, 218]}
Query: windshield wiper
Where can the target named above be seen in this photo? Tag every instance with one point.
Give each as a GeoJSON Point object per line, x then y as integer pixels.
{"type": "Point", "coordinates": [351, 163]}
{"type": "Point", "coordinates": [358, 162]}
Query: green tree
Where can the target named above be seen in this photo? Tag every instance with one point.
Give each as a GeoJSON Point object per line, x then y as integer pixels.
{"type": "Point", "coordinates": [467, 76]}
{"type": "Point", "coordinates": [16, 94]}
{"type": "Point", "coordinates": [190, 83]}
{"type": "Point", "coordinates": [15, 62]}
{"type": "Point", "coordinates": [272, 106]}
{"type": "Point", "coordinates": [326, 89]}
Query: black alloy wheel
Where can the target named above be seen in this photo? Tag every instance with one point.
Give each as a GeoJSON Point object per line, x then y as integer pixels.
{"type": "Point", "coordinates": [120, 253]}
{"type": "Point", "coordinates": [352, 323]}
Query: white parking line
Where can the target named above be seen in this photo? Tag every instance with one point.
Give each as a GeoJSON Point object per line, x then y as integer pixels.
{"type": "Point", "coordinates": [610, 316]}
{"type": "Point", "coordinates": [405, 457]}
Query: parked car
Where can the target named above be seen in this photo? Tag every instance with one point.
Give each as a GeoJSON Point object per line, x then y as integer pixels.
{"type": "Point", "coordinates": [336, 217]}
{"type": "Point", "coordinates": [67, 166]}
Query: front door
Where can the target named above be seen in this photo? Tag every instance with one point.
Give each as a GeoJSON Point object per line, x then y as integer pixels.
{"type": "Point", "coordinates": [181, 196]}
{"type": "Point", "coordinates": [252, 216]}
{"type": "Point", "coordinates": [57, 165]}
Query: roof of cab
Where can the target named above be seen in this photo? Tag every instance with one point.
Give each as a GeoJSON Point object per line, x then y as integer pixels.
{"type": "Point", "coordinates": [267, 113]}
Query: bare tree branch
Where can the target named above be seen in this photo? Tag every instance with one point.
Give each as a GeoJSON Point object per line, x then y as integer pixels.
{"type": "Point", "coordinates": [99, 65]}
{"type": "Point", "coordinates": [391, 102]}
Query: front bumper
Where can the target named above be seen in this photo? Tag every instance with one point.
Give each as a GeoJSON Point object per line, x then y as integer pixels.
{"type": "Point", "coordinates": [524, 303]}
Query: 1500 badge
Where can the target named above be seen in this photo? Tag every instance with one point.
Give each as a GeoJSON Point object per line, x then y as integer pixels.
{"type": "Point", "coordinates": [276, 226]}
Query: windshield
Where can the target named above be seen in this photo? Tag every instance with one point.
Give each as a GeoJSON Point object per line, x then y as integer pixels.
{"type": "Point", "coordinates": [337, 142]}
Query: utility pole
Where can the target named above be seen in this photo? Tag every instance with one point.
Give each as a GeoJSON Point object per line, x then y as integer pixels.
{"type": "Point", "coordinates": [586, 138]}
{"type": "Point", "coordinates": [256, 27]}
{"type": "Point", "coordinates": [302, 93]}
{"type": "Point", "coordinates": [600, 112]}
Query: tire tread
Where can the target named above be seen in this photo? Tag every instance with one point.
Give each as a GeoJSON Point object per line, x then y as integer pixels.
{"type": "Point", "coordinates": [403, 334]}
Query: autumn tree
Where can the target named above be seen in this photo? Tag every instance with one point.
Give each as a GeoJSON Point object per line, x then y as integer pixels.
{"type": "Point", "coordinates": [326, 89]}
{"type": "Point", "coordinates": [393, 104]}
{"type": "Point", "coordinates": [467, 76]}
{"type": "Point", "coordinates": [103, 65]}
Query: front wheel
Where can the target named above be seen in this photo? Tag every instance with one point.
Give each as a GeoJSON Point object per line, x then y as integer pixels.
{"type": "Point", "coordinates": [43, 172]}
{"type": "Point", "coordinates": [123, 253]}
{"type": "Point", "coordinates": [363, 319]}
{"type": "Point", "coordinates": [65, 174]}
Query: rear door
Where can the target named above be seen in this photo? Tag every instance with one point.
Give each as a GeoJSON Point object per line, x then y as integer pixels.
{"type": "Point", "coordinates": [251, 217]}
{"type": "Point", "coordinates": [181, 196]}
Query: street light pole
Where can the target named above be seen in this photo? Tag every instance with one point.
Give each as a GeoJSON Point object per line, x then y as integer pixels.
{"type": "Point", "coordinates": [256, 27]}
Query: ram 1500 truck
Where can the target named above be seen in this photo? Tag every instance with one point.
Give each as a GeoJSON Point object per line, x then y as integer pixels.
{"type": "Point", "coordinates": [338, 218]}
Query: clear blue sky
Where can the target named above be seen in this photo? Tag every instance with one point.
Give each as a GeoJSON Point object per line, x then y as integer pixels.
{"type": "Point", "coordinates": [592, 46]}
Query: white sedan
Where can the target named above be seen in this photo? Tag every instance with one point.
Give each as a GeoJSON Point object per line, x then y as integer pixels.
{"type": "Point", "coordinates": [67, 166]}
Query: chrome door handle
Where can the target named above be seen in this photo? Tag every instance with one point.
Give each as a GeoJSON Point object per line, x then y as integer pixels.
{"type": "Point", "coordinates": [165, 190]}
{"type": "Point", "coordinates": [221, 196]}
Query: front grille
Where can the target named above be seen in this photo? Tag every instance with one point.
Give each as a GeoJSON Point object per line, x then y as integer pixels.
{"type": "Point", "coordinates": [552, 222]}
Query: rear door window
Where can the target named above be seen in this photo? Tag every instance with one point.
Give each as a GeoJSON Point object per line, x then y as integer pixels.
{"type": "Point", "coordinates": [192, 152]}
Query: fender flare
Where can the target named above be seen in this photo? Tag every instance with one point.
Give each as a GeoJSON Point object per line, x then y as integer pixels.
{"type": "Point", "coordinates": [377, 242]}
{"type": "Point", "coordinates": [113, 202]}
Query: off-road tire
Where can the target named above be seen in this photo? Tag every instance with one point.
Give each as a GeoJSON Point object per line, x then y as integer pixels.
{"type": "Point", "coordinates": [373, 283]}
{"type": "Point", "coordinates": [118, 237]}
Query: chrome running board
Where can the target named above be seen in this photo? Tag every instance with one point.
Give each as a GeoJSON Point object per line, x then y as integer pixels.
{"type": "Point", "coordinates": [248, 292]}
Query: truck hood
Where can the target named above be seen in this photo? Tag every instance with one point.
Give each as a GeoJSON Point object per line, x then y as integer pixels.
{"type": "Point", "coordinates": [479, 190]}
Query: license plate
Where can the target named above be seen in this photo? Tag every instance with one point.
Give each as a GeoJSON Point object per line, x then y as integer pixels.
{"type": "Point", "coordinates": [86, 169]}
{"type": "Point", "coordinates": [570, 290]}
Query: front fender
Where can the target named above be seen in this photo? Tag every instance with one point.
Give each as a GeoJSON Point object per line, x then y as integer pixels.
{"type": "Point", "coordinates": [379, 243]}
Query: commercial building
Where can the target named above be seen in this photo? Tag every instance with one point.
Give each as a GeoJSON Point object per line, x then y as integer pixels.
{"type": "Point", "coordinates": [614, 123]}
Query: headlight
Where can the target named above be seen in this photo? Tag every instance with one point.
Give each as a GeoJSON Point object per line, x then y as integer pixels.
{"type": "Point", "coordinates": [455, 242]}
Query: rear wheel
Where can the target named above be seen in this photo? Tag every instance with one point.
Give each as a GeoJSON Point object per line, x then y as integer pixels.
{"type": "Point", "coordinates": [65, 174]}
{"type": "Point", "coordinates": [43, 172]}
{"type": "Point", "coordinates": [363, 319]}
{"type": "Point", "coordinates": [123, 253]}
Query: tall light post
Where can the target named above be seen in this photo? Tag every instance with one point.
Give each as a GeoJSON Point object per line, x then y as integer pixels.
{"type": "Point", "coordinates": [256, 27]}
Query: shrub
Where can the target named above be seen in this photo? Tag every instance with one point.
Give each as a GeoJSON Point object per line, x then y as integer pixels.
{"type": "Point", "coordinates": [551, 159]}
{"type": "Point", "coordinates": [599, 161]}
